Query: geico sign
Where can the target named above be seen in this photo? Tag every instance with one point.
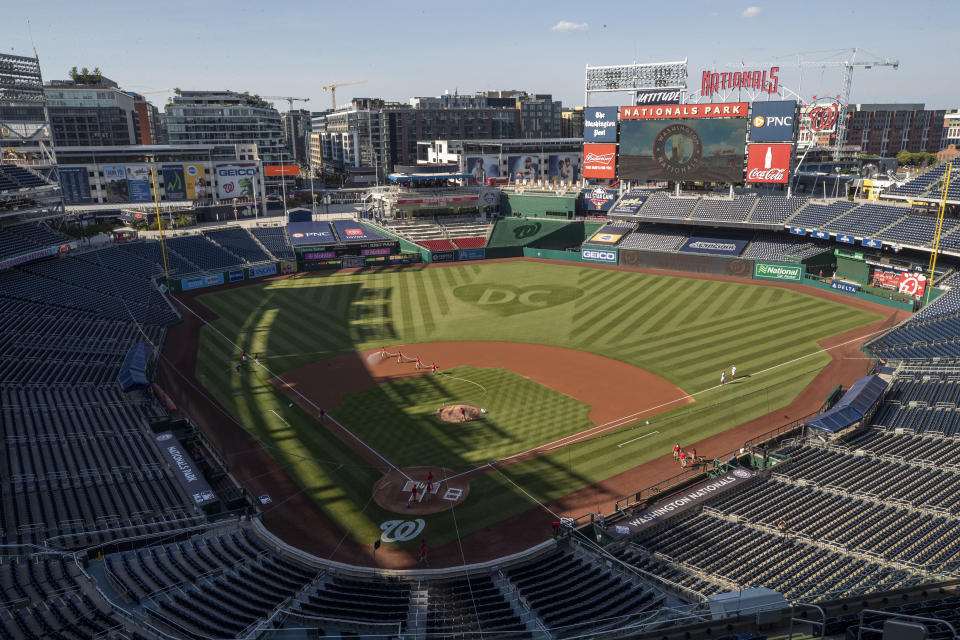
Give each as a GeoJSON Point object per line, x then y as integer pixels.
{"type": "Point", "coordinates": [599, 256]}
{"type": "Point", "coordinates": [237, 172]}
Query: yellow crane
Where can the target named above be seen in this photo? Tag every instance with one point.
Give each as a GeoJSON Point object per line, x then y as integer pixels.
{"type": "Point", "coordinates": [290, 100]}
{"type": "Point", "coordinates": [333, 89]}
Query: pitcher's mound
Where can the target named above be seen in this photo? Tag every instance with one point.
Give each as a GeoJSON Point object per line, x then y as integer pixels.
{"type": "Point", "coordinates": [453, 413]}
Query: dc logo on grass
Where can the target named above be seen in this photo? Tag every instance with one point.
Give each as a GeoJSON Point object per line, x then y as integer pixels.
{"type": "Point", "coordinates": [401, 530]}
{"type": "Point", "coordinates": [507, 299]}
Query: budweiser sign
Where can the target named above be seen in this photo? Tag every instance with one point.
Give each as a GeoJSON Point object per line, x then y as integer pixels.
{"type": "Point", "coordinates": [769, 163]}
{"type": "Point", "coordinates": [599, 161]}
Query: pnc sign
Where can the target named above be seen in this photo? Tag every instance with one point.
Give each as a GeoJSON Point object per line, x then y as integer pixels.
{"type": "Point", "coordinates": [773, 121]}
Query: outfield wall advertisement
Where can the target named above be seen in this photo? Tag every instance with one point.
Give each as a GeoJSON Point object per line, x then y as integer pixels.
{"type": "Point", "coordinates": [693, 263]}
{"type": "Point", "coordinates": [605, 256]}
{"type": "Point", "coordinates": [780, 272]}
{"type": "Point", "coordinates": [564, 166]}
{"type": "Point", "coordinates": [715, 246]}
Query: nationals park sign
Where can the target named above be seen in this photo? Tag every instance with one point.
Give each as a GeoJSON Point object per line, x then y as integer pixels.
{"type": "Point", "coordinates": [782, 272]}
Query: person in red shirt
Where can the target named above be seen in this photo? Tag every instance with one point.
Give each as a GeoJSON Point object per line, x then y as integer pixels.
{"type": "Point", "coordinates": [433, 367]}
{"type": "Point", "coordinates": [423, 551]}
{"type": "Point", "coordinates": [383, 352]}
{"type": "Point", "coordinates": [418, 363]}
{"type": "Point", "coordinates": [463, 414]}
{"type": "Point", "coordinates": [399, 356]}
{"type": "Point", "coordinates": [676, 451]}
{"type": "Point", "coordinates": [413, 495]}
{"type": "Point", "coordinates": [683, 459]}
{"type": "Point", "coordinates": [243, 355]}
{"type": "Point", "coordinates": [693, 454]}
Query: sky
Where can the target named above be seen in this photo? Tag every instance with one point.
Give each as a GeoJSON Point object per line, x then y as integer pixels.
{"type": "Point", "coordinates": [425, 48]}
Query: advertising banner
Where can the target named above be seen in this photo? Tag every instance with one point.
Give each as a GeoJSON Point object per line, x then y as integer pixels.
{"type": "Point", "coordinates": [658, 96]}
{"type": "Point", "coordinates": [769, 163]}
{"type": "Point", "coordinates": [693, 263]}
{"type": "Point", "coordinates": [628, 205]}
{"type": "Point", "coordinates": [600, 124]}
{"type": "Point", "coordinates": [481, 168]}
{"type": "Point", "coordinates": [379, 251]}
{"type": "Point", "coordinates": [202, 281]}
{"type": "Point", "coordinates": [75, 183]}
{"type": "Point", "coordinates": [819, 235]}
{"type": "Point", "coordinates": [599, 199]}
{"type": "Point", "coordinates": [304, 234]}
{"type": "Point", "coordinates": [194, 182]}
{"type": "Point", "coordinates": [281, 170]}
{"type": "Point", "coordinates": [606, 256]}
{"type": "Point", "coordinates": [798, 231]}
{"type": "Point", "coordinates": [352, 262]}
{"type": "Point", "coordinates": [888, 279]}
{"type": "Point", "coordinates": [185, 469]}
{"type": "Point", "coordinates": [9, 263]}
{"type": "Point", "coordinates": [846, 287]}
{"type": "Point", "coordinates": [765, 80]}
{"type": "Point", "coordinates": [564, 166]}
{"type": "Point", "coordinates": [350, 231]}
{"type": "Point", "coordinates": [600, 161]}
{"type": "Point", "coordinates": [605, 238]}
{"type": "Point", "coordinates": [115, 183]}
{"type": "Point", "coordinates": [443, 256]}
{"type": "Point", "coordinates": [319, 255]}
{"type": "Point", "coordinates": [845, 239]}
{"type": "Point", "coordinates": [262, 270]}
{"type": "Point", "coordinates": [174, 183]}
{"type": "Point", "coordinates": [714, 246]}
{"type": "Point", "coordinates": [871, 243]}
{"type": "Point", "coordinates": [471, 254]}
{"type": "Point", "coordinates": [236, 180]}
{"type": "Point", "coordinates": [138, 183]}
{"type": "Point", "coordinates": [769, 271]}
{"type": "Point", "coordinates": [705, 150]}
{"type": "Point", "coordinates": [235, 276]}
{"type": "Point", "coordinates": [684, 111]}
{"type": "Point", "coordinates": [288, 267]}
{"type": "Point", "coordinates": [912, 284]}
{"type": "Point", "coordinates": [523, 167]}
{"type": "Point", "coordinates": [773, 121]}
{"type": "Point", "coordinates": [692, 498]}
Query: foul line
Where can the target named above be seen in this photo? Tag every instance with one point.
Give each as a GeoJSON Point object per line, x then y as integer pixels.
{"type": "Point", "coordinates": [281, 419]}
{"type": "Point", "coordinates": [652, 433]}
{"type": "Point", "coordinates": [624, 420]}
{"type": "Point", "coordinates": [390, 465]}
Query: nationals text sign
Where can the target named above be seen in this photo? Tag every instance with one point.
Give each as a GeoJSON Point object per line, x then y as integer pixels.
{"type": "Point", "coordinates": [720, 110]}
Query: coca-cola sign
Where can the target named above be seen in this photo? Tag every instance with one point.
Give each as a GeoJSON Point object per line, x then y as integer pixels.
{"type": "Point", "coordinates": [769, 163]}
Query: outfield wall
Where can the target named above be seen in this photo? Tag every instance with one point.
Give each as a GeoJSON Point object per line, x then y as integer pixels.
{"type": "Point", "coordinates": [539, 205]}
{"type": "Point", "coordinates": [690, 262]}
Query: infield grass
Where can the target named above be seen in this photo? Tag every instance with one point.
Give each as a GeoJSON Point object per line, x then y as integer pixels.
{"type": "Point", "coordinates": [683, 330]}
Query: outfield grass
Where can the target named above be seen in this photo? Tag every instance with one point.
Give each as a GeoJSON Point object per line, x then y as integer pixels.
{"type": "Point", "coordinates": [683, 330]}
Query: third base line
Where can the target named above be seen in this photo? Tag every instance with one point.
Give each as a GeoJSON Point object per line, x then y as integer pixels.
{"type": "Point", "coordinates": [638, 438]}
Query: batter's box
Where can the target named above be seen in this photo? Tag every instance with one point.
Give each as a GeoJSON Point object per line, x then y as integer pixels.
{"type": "Point", "coordinates": [421, 487]}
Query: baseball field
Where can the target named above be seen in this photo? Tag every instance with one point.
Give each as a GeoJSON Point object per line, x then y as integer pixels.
{"type": "Point", "coordinates": [580, 373]}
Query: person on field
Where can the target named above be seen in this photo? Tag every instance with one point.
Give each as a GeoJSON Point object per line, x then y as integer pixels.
{"type": "Point", "coordinates": [723, 376]}
{"type": "Point", "coordinates": [683, 459]}
{"type": "Point", "coordinates": [323, 415]}
{"type": "Point", "coordinates": [383, 352]}
{"type": "Point", "coordinates": [423, 551]}
{"type": "Point", "coordinates": [419, 366]}
{"type": "Point", "coordinates": [676, 451]}
{"type": "Point", "coordinates": [413, 495]}
{"type": "Point", "coordinates": [237, 368]}
{"type": "Point", "coordinates": [693, 455]}
{"type": "Point", "coordinates": [733, 372]}
{"type": "Point", "coordinates": [256, 357]}
{"type": "Point", "coordinates": [433, 367]}
{"type": "Point", "coordinates": [463, 414]}
{"type": "Point", "coordinates": [399, 356]}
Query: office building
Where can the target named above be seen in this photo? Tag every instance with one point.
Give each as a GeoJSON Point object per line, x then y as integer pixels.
{"type": "Point", "coordinates": [888, 129]}
{"type": "Point", "coordinates": [92, 110]}
{"type": "Point", "coordinates": [226, 117]}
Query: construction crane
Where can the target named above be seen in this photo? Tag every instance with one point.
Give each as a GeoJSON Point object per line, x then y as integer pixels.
{"type": "Point", "coordinates": [290, 100]}
{"type": "Point", "coordinates": [844, 97]}
{"type": "Point", "coordinates": [333, 90]}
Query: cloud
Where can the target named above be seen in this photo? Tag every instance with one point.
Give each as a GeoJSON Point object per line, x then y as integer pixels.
{"type": "Point", "coordinates": [751, 12]}
{"type": "Point", "coordinates": [565, 26]}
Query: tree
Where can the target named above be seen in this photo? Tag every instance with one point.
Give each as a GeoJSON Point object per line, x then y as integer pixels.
{"type": "Point", "coordinates": [97, 76]}
{"type": "Point", "coordinates": [74, 74]}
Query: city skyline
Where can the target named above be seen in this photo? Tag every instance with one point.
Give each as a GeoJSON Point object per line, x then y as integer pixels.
{"type": "Point", "coordinates": [421, 52]}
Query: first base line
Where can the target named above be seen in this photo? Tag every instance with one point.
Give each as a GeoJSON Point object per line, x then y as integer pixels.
{"type": "Point", "coordinates": [652, 433]}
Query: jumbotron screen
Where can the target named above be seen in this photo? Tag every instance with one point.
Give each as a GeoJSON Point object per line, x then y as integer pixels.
{"type": "Point", "coordinates": [683, 149]}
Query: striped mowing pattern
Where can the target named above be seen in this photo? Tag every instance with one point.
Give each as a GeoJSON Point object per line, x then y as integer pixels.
{"type": "Point", "coordinates": [683, 330]}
